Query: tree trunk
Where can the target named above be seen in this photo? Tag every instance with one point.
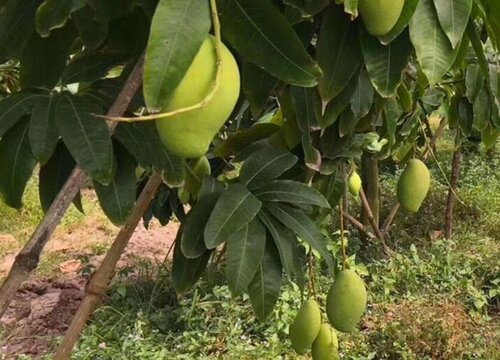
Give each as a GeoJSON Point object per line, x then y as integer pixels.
{"type": "Point", "coordinates": [455, 174]}
{"type": "Point", "coordinates": [28, 258]}
{"type": "Point", "coordinates": [370, 176]}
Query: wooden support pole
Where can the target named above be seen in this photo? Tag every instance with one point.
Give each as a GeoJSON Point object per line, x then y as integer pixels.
{"type": "Point", "coordinates": [28, 258]}
{"type": "Point", "coordinates": [99, 281]}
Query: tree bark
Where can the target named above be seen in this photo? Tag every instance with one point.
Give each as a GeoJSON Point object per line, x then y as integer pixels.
{"type": "Point", "coordinates": [455, 174]}
{"type": "Point", "coordinates": [370, 176]}
{"type": "Point", "coordinates": [100, 279]}
{"type": "Point", "coordinates": [28, 258]}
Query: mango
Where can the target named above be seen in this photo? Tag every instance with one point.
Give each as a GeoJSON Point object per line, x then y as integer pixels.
{"type": "Point", "coordinates": [346, 301]}
{"type": "Point", "coordinates": [189, 134]}
{"type": "Point", "coordinates": [326, 345]}
{"type": "Point", "coordinates": [380, 16]}
{"type": "Point", "coordinates": [354, 183]}
{"type": "Point", "coordinates": [196, 170]}
{"type": "Point", "coordinates": [413, 185]}
{"type": "Point", "coordinates": [305, 327]}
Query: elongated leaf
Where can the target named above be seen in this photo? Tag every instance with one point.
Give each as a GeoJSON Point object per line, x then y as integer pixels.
{"type": "Point", "coordinates": [265, 287]}
{"type": "Point", "coordinates": [482, 110]}
{"type": "Point", "coordinates": [265, 165]}
{"type": "Point", "coordinates": [17, 22]}
{"type": "Point", "coordinates": [361, 101]}
{"type": "Point", "coordinates": [408, 10]}
{"type": "Point", "coordinates": [13, 107]}
{"type": "Point", "coordinates": [336, 106]}
{"type": "Point", "coordinates": [42, 130]}
{"type": "Point", "coordinates": [235, 208]}
{"type": "Point", "coordinates": [465, 116]}
{"type": "Point", "coordinates": [287, 245]}
{"type": "Point", "coordinates": [347, 123]}
{"type": "Point", "coordinates": [52, 14]}
{"type": "Point", "coordinates": [142, 141]}
{"type": "Point", "coordinates": [292, 192]}
{"type": "Point", "coordinates": [186, 272]}
{"type": "Point", "coordinates": [307, 109]}
{"type": "Point", "coordinates": [86, 136]}
{"type": "Point", "coordinates": [386, 64]}
{"type": "Point", "coordinates": [474, 81]}
{"type": "Point", "coordinates": [117, 199]}
{"type": "Point", "coordinates": [243, 138]}
{"type": "Point", "coordinates": [177, 31]}
{"type": "Point", "coordinates": [453, 16]}
{"type": "Point", "coordinates": [339, 54]}
{"type": "Point", "coordinates": [192, 239]}
{"type": "Point", "coordinates": [92, 32]}
{"type": "Point", "coordinates": [54, 174]}
{"type": "Point", "coordinates": [245, 250]}
{"type": "Point", "coordinates": [17, 163]}
{"type": "Point", "coordinates": [492, 16]}
{"type": "Point", "coordinates": [304, 227]}
{"type": "Point", "coordinates": [262, 34]}
{"type": "Point", "coordinates": [434, 51]}
{"type": "Point", "coordinates": [44, 59]}
{"type": "Point", "coordinates": [256, 85]}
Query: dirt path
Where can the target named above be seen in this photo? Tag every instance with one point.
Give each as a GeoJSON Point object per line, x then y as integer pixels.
{"type": "Point", "coordinates": [44, 305]}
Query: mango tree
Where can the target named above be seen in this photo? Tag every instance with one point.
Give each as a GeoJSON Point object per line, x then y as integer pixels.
{"type": "Point", "coordinates": [254, 113]}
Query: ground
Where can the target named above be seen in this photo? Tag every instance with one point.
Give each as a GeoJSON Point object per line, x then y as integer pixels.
{"type": "Point", "coordinates": [435, 299]}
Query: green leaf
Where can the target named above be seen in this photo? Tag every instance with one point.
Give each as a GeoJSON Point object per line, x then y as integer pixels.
{"type": "Point", "coordinates": [142, 141]}
{"type": "Point", "coordinates": [408, 10]}
{"type": "Point", "coordinates": [263, 36]}
{"type": "Point", "coordinates": [386, 64]}
{"type": "Point", "coordinates": [347, 123]}
{"type": "Point", "coordinates": [244, 252]}
{"type": "Point", "coordinates": [265, 165]}
{"type": "Point", "coordinates": [292, 192]}
{"type": "Point", "coordinates": [17, 22]}
{"type": "Point", "coordinates": [307, 106]}
{"type": "Point", "coordinates": [474, 81]}
{"type": "Point", "coordinates": [339, 54]}
{"type": "Point", "coordinates": [86, 136]}
{"type": "Point", "coordinates": [453, 16]}
{"type": "Point", "coordinates": [192, 239]}
{"type": "Point", "coordinates": [362, 99]}
{"type": "Point", "coordinates": [482, 110]}
{"type": "Point", "coordinates": [92, 32]}
{"type": "Point", "coordinates": [186, 272]}
{"type": "Point", "coordinates": [434, 51]}
{"type": "Point", "coordinates": [238, 141]}
{"type": "Point", "coordinates": [287, 245]}
{"type": "Point", "coordinates": [118, 198]}
{"type": "Point", "coordinates": [465, 116]}
{"type": "Point", "coordinates": [42, 129]}
{"type": "Point", "coordinates": [92, 65]}
{"type": "Point", "coordinates": [256, 85]}
{"type": "Point", "coordinates": [235, 208]}
{"type": "Point", "coordinates": [15, 106]}
{"type": "Point", "coordinates": [178, 29]}
{"type": "Point", "coordinates": [17, 163]}
{"type": "Point", "coordinates": [492, 11]}
{"type": "Point", "coordinates": [304, 227]}
{"type": "Point", "coordinates": [52, 14]}
{"type": "Point", "coordinates": [54, 174]}
{"type": "Point", "coordinates": [336, 106]}
{"type": "Point", "coordinates": [265, 287]}
{"type": "Point", "coordinates": [129, 39]}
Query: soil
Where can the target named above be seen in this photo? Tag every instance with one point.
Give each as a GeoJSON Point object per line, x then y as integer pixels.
{"type": "Point", "coordinates": [44, 306]}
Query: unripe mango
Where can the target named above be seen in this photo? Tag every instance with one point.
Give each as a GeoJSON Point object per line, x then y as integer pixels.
{"type": "Point", "coordinates": [305, 327]}
{"type": "Point", "coordinates": [189, 134]}
{"type": "Point", "coordinates": [354, 183]}
{"type": "Point", "coordinates": [326, 345]}
{"type": "Point", "coordinates": [197, 169]}
{"type": "Point", "coordinates": [346, 301]}
{"type": "Point", "coordinates": [380, 16]}
{"type": "Point", "coordinates": [413, 185]}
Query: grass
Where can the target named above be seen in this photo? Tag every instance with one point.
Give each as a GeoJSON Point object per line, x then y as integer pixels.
{"type": "Point", "coordinates": [435, 299]}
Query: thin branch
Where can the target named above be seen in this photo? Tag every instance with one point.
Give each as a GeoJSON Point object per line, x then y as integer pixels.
{"type": "Point", "coordinates": [358, 225]}
{"type": "Point", "coordinates": [28, 258]}
{"type": "Point", "coordinates": [97, 285]}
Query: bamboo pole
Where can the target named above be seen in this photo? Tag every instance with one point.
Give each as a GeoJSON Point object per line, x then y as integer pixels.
{"type": "Point", "coordinates": [28, 258]}
{"type": "Point", "coordinates": [100, 279]}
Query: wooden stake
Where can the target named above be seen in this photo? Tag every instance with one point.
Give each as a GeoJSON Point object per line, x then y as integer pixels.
{"type": "Point", "coordinates": [28, 258]}
{"type": "Point", "coordinates": [100, 279]}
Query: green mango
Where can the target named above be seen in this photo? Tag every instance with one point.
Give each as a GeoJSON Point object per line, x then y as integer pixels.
{"type": "Point", "coordinates": [380, 16]}
{"type": "Point", "coordinates": [326, 345]}
{"type": "Point", "coordinates": [305, 327]}
{"type": "Point", "coordinates": [354, 183]}
{"type": "Point", "coordinates": [189, 134]}
{"type": "Point", "coordinates": [346, 301]}
{"type": "Point", "coordinates": [413, 185]}
{"type": "Point", "coordinates": [196, 170]}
